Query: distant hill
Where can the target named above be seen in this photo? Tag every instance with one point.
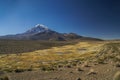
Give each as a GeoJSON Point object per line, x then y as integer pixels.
{"type": "Point", "coordinates": [41, 32]}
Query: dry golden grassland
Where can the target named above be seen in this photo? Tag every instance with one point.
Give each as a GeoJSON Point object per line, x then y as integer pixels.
{"type": "Point", "coordinates": [48, 57]}
{"type": "Point", "coordinates": [84, 60]}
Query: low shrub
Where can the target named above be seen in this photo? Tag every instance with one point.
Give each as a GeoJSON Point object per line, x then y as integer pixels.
{"type": "Point", "coordinates": [4, 78]}
{"type": "Point", "coordinates": [79, 69]}
{"type": "Point", "coordinates": [46, 68]}
{"type": "Point", "coordinates": [117, 76]}
{"type": "Point", "coordinates": [19, 70]}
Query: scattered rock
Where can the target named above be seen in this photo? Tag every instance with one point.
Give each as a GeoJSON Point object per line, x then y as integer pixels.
{"type": "Point", "coordinates": [85, 64]}
{"type": "Point", "coordinates": [108, 70]}
{"type": "Point", "coordinates": [92, 72]}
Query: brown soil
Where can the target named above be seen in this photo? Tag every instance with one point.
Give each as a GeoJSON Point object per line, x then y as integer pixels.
{"type": "Point", "coordinates": [101, 72]}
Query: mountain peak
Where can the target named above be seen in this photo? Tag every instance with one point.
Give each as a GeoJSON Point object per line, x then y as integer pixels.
{"type": "Point", "coordinates": [37, 29]}
{"type": "Point", "coordinates": [41, 32]}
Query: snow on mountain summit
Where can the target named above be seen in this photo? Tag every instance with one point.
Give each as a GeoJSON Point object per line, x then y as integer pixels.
{"type": "Point", "coordinates": [41, 32]}
{"type": "Point", "coordinates": [41, 26]}
{"type": "Point", "coordinates": [37, 29]}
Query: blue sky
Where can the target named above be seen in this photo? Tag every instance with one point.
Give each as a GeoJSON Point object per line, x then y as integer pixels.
{"type": "Point", "coordinates": [95, 18]}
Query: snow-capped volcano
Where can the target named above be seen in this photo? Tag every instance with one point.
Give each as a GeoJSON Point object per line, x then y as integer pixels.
{"type": "Point", "coordinates": [37, 29]}
{"type": "Point", "coordinates": [41, 32]}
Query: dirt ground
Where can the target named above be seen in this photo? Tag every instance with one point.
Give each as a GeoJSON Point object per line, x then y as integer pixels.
{"type": "Point", "coordinates": [92, 72]}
